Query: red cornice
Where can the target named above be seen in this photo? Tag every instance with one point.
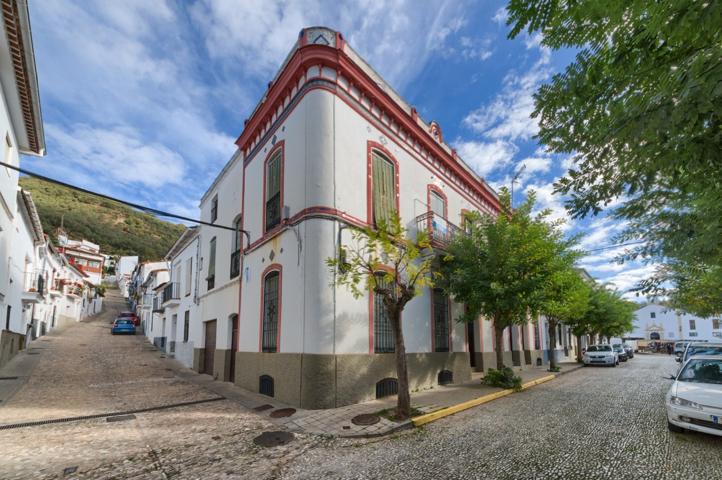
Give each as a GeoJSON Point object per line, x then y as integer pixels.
{"type": "Point", "coordinates": [320, 55]}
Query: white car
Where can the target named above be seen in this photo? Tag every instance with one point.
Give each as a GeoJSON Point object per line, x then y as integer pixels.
{"type": "Point", "coordinates": [600, 355]}
{"type": "Point", "coordinates": [694, 402]}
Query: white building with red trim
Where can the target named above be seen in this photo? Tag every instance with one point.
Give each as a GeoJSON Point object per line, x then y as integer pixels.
{"type": "Point", "coordinates": [332, 146]}
{"type": "Point", "coordinates": [85, 256]}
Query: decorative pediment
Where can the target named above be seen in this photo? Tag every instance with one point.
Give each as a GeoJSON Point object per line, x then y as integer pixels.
{"type": "Point", "coordinates": [435, 131]}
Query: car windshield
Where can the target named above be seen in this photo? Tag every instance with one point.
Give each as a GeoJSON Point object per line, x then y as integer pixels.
{"type": "Point", "coordinates": [704, 350]}
{"type": "Point", "coordinates": [599, 348]}
{"type": "Point", "coordinates": [123, 322]}
{"type": "Point", "coordinates": [702, 371]}
{"type": "Point", "coordinates": [126, 314]}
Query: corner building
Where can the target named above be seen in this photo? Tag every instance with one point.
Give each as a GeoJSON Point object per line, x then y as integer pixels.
{"type": "Point", "coordinates": [330, 146]}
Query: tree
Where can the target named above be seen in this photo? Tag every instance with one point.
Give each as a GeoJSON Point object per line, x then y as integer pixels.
{"type": "Point", "coordinates": [640, 109]}
{"type": "Point", "coordinates": [608, 314]}
{"type": "Point", "coordinates": [499, 267]}
{"type": "Point", "coordinates": [566, 298]}
{"type": "Point", "coordinates": [387, 262]}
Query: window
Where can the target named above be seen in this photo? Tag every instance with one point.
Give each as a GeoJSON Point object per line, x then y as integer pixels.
{"type": "Point", "coordinates": [236, 251]}
{"type": "Point", "coordinates": [271, 302]}
{"type": "Point", "coordinates": [445, 377]}
{"type": "Point", "coordinates": [441, 320]}
{"type": "Point", "coordinates": [437, 203]}
{"type": "Point", "coordinates": [692, 324]}
{"type": "Point", "coordinates": [384, 188]}
{"type": "Point", "coordinates": [211, 279]}
{"type": "Point", "coordinates": [273, 178]}
{"type": "Point", "coordinates": [237, 234]}
{"type": "Point", "coordinates": [383, 331]}
{"type": "Point", "coordinates": [652, 315]}
{"type": "Point", "coordinates": [186, 325]}
{"type": "Point", "coordinates": [214, 209]}
{"type": "Point", "coordinates": [265, 385]}
{"type": "Point", "coordinates": [387, 387]}
{"type": "Point", "coordinates": [715, 324]}
{"type": "Point", "coordinates": [189, 276]}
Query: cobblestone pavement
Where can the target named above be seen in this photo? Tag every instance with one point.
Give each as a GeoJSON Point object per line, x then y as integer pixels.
{"type": "Point", "coordinates": [592, 423]}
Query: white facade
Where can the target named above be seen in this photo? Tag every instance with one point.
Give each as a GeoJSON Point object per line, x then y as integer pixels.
{"type": "Point", "coordinates": [658, 322]}
{"type": "Point", "coordinates": [123, 273]}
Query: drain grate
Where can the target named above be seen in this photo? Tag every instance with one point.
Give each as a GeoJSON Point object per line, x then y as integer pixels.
{"type": "Point", "coordinates": [33, 353]}
{"type": "Point", "coordinates": [120, 418]}
{"type": "Point", "coordinates": [283, 412]}
{"type": "Point", "coordinates": [261, 408]}
{"type": "Point", "coordinates": [111, 414]}
{"type": "Point", "coordinates": [273, 439]}
{"type": "Point", "coordinates": [365, 419]}
{"type": "Point", "coordinates": [8, 378]}
{"type": "Point", "coordinates": [69, 470]}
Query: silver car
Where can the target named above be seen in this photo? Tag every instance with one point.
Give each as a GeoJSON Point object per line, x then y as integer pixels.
{"type": "Point", "coordinates": [600, 355]}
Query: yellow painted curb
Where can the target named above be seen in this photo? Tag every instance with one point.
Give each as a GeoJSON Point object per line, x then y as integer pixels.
{"type": "Point", "coordinates": [459, 407]}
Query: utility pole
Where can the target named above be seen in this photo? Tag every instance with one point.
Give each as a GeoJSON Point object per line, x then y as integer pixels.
{"type": "Point", "coordinates": [513, 181]}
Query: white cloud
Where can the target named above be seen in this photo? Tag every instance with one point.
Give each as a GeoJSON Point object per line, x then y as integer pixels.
{"type": "Point", "coordinates": [484, 157]}
{"type": "Point", "coordinates": [547, 199]}
{"type": "Point", "coordinates": [476, 48]}
{"type": "Point", "coordinates": [508, 116]}
{"type": "Point", "coordinates": [500, 16]}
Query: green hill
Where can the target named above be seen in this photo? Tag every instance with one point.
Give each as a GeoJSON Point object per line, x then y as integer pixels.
{"type": "Point", "coordinates": [119, 230]}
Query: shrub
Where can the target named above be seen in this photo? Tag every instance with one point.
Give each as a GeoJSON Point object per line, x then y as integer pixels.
{"type": "Point", "coordinates": [504, 378]}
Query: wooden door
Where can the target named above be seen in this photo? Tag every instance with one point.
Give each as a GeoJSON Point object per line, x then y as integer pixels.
{"type": "Point", "coordinates": [210, 347]}
{"type": "Point", "coordinates": [234, 349]}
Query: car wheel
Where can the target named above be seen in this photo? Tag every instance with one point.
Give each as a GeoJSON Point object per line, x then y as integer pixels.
{"type": "Point", "coordinates": [674, 428]}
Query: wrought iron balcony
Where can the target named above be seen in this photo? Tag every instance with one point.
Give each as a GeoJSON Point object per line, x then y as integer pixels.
{"type": "Point", "coordinates": [158, 303]}
{"type": "Point", "coordinates": [440, 230]}
{"type": "Point", "coordinates": [171, 292]}
{"type": "Point", "coordinates": [235, 263]}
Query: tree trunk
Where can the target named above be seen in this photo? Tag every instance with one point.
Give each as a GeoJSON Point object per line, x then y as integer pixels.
{"type": "Point", "coordinates": [592, 338]}
{"type": "Point", "coordinates": [552, 328]}
{"type": "Point", "coordinates": [579, 349]}
{"type": "Point", "coordinates": [403, 405]}
{"type": "Point", "coordinates": [499, 339]}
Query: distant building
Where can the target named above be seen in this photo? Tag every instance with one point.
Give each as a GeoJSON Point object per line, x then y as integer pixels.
{"type": "Point", "coordinates": [659, 322]}
{"type": "Point", "coordinates": [124, 267]}
{"type": "Point", "coordinates": [86, 257]}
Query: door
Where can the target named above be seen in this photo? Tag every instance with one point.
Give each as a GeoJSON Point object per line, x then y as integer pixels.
{"type": "Point", "coordinates": [234, 348]}
{"type": "Point", "coordinates": [210, 347]}
{"type": "Point", "coordinates": [472, 346]}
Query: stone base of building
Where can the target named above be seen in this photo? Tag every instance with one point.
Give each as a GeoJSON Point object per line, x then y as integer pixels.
{"type": "Point", "coordinates": [222, 365]}
{"type": "Point", "coordinates": [198, 359]}
{"type": "Point", "coordinates": [10, 344]}
{"type": "Point", "coordinates": [328, 381]}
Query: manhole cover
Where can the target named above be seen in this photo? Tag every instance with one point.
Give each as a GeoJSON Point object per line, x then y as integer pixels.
{"type": "Point", "coordinates": [120, 418]}
{"type": "Point", "coordinates": [273, 439]}
{"type": "Point", "coordinates": [366, 419]}
{"type": "Point", "coordinates": [261, 408]}
{"type": "Point", "coordinates": [283, 412]}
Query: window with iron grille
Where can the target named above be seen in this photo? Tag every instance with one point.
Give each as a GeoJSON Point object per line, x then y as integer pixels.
{"type": "Point", "coordinates": [270, 311]}
{"type": "Point", "coordinates": [211, 279]}
{"type": "Point", "coordinates": [445, 377]}
{"type": "Point", "coordinates": [387, 387]}
{"type": "Point", "coordinates": [441, 321]}
{"type": "Point", "coordinates": [236, 251]}
{"type": "Point", "coordinates": [186, 325]}
{"type": "Point", "coordinates": [692, 324]}
{"type": "Point", "coordinates": [537, 341]}
{"type": "Point", "coordinates": [214, 209]}
{"type": "Point", "coordinates": [383, 331]}
{"type": "Point", "coordinates": [274, 168]}
{"type": "Point", "coordinates": [265, 385]}
{"type": "Point", "coordinates": [189, 276]}
{"type": "Point", "coordinates": [715, 324]}
{"type": "Point", "coordinates": [384, 187]}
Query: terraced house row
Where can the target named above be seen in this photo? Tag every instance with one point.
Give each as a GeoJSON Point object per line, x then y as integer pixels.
{"type": "Point", "coordinates": [330, 146]}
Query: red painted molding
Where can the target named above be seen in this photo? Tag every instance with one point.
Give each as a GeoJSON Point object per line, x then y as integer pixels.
{"type": "Point", "coordinates": [336, 59]}
{"type": "Point", "coordinates": [274, 267]}
{"type": "Point", "coordinates": [370, 147]}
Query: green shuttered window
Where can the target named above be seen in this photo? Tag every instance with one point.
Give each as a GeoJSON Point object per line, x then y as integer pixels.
{"type": "Point", "coordinates": [273, 190]}
{"type": "Point", "coordinates": [384, 188]}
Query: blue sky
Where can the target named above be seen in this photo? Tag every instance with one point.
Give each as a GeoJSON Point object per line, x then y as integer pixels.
{"type": "Point", "coordinates": [143, 99]}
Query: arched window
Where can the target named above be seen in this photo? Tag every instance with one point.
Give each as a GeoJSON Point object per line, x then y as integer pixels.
{"type": "Point", "coordinates": [383, 331]}
{"type": "Point", "coordinates": [273, 189]}
{"type": "Point", "coordinates": [265, 385]}
{"type": "Point", "coordinates": [383, 184]}
{"type": "Point", "coordinates": [654, 336]}
{"type": "Point", "coordinates": [271, 301]}
{"type": "Point", "coordinates": [387, 387]}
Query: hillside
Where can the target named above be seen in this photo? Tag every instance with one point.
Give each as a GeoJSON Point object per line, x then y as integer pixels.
{"type": "Point", "coordinates": [119, 230]}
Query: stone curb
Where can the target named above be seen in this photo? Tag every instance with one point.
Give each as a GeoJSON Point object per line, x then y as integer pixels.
{"type": "Point", "coordinates": [445, 412]}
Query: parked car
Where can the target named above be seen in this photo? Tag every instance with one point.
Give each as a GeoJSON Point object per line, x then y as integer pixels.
{"type": "Point", "coordinates": [600, 355]}
{"type": "Point", "coordinates": [694, 401]}
{"type": "Point", "coordinates": [700, 348]}
{"type": "Point", "coordinates": [132, 316]}
{"type": "Point", "coordinates": [123, 326]}
{"type": "Point", "coordinates": [620, 351]}
{"type": "Point", "coordinates": [629, 349]}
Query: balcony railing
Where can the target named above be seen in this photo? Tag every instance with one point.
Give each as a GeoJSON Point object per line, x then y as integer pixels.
{"type": "Point", "coordinates": [235, 263]}
{"type": "Point", "coordinates": [158, 303]}
{"type": "Point", "coordinates": [34, 282]}
{"type": "Point", "coordinates": [171, 292]}
{"type": "Point", "coordinates": [440, 230]}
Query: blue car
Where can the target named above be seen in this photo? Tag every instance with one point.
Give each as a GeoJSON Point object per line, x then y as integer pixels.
{"type": "Point", "coordinates": [123, 326]}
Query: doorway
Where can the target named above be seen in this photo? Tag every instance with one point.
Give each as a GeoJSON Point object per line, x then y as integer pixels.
{"type": "Point", "coordinates": [210, 347]}
{"type": "Point", "coordinates": [234, 349]}
{"type": "Point", "coordinates": [472, 343]}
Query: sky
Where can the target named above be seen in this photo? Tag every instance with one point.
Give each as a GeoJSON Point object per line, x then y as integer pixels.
{"type": "Point", "coordinates": [143, 100]}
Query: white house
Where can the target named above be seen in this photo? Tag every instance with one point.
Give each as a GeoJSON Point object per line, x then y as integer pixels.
{"type": "Point", "coordinates": [21, 128]}
{"type": "Point", "coordinates": [123, 272]}
{"type": "Point", "coordinates": [659, 322]}
{"type": "Point", "coordinates": [332, 146]}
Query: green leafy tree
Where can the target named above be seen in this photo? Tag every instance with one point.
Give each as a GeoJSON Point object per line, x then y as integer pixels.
{"type": "Point", "coordinates": [640, 108]}
{"type": "Point", "coordinates": [500, 266]}
{"type": "Point", "coordinates": [389, 263]}
{"type": "Point", "coordinates": [607, 315]}
{"type": "Point", "coordinates": [566, 298]}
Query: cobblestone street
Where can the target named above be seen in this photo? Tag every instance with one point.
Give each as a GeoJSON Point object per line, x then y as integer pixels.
{"type": "Point", "coordinates": [592, 423]}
